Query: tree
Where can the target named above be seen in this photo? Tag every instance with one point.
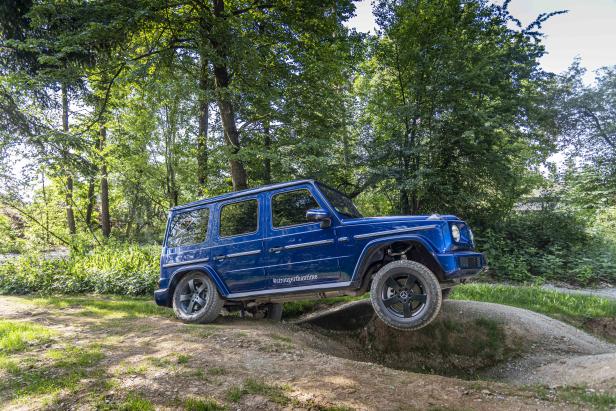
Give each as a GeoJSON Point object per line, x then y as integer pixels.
{"type": "Point", "coordinates": [454, 111]}
{"type": "Point", "coordinates": [587, 114]}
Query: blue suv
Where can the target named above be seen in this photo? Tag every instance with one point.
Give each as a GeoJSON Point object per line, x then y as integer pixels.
{"type": "Point", "coordinates": [253, 250]}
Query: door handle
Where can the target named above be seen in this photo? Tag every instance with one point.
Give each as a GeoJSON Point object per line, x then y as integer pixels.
{"type": "Point", "coordinates": [220, 257]}
{"type": "Point", "coordinates": [276, 249]}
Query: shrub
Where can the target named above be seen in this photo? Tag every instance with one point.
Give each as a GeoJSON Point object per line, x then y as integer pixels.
{"type": "Point", "coordinates": [534, 246]}
{"type": "Point", "coordinates": [118, 269]}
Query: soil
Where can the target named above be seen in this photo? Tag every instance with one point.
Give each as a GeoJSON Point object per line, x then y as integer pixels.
{"type": "Point", "coordinates": [317, 368]}
{"type": "Point", "coordinates": [469, 339]}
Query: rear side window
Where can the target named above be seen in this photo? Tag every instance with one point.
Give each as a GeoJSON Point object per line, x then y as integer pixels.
{"type": "Point", "coordinates": [188, 228]}
{"type": "Point", "coordinates": [290, 208]}
{"type": "Point", "coordinates": [238, 218]}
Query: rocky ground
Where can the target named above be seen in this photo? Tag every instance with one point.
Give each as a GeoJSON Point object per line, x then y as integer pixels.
{"type": "Point", "coordinates": [110, 355]}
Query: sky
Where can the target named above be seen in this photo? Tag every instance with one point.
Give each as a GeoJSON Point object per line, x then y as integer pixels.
{"type": "Point", "coordinates": [588, 30]}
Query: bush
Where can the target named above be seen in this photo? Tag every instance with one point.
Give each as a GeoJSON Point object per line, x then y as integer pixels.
{"type": "Point", "coordinates": [118, 269]}
{"type": "Point", "coordinates": [534, 246]}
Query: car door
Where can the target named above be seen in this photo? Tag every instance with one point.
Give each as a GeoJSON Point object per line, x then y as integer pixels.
{"type": "Point", "coordinates": [237, 249]}
{"type": "Point", "coordinates": [299, 252]}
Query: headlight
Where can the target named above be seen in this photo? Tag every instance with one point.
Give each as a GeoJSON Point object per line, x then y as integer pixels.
{"type": "Point", "coordinates": [455, 233]}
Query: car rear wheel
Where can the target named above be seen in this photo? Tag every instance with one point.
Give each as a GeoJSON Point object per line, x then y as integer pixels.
{"type": "Point", "coordinates": [196, 299]}
{"type": "Point", "coordinates": [406, 295]}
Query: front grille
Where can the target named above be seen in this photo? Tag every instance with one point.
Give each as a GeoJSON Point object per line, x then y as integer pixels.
{"type": "Point", "coordinates": [470, 262]}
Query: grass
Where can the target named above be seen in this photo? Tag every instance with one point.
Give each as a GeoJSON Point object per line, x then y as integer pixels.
{"type": "Point", "coordinates": [274, 393]}
{"type": "Point", "coordinates": [549, 302]}
{"type": "Point", "coordinates": [585, 396]}
{"type": "Point", "coordinates": [108, 306]}
{"type": "Point", "coordinates": [135, 402]}
{"type": "Point", "coordinates": [579, 395]}
{"type": "Point", "coordinates": [183, 359]}
{"type": "Point", "coordinates": [15, 336]}
{"type": "Point", "coordinates": [207, 404]}
{"type": "Point", "coordinates": [64, 370]}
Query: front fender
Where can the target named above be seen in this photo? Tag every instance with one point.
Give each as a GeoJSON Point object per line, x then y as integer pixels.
{"type": "Point", "coordinates": [371, 246]}
{"type": "Point", "coordinates": [177, 274]}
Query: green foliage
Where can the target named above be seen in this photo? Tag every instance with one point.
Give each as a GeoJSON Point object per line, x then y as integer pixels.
{"type": "Point", "coordinates": [127, 270]}
{"type": "Point", "coordinates": [443, 92]}
{"type": "Point", "coordinates": [11, 242]}
{"type": "Point", "coordinates": [534, 246]}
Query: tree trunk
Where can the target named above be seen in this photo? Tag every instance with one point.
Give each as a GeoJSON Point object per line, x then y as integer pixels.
{"type": "Point", "coordinates": [105, 218]}
{"type": "Point", "coordinates": [202, 154]}
{"type": "Point", "coordinates": [227, 112]}
{"type": "Point", "coordinates": [70, 215]}
{"type": "Point", "coordinates": [46, 210]}
{"type": "Point", "coordinates": [91, 200]}
{"type": "Point", "coordinates": [267, 163]}
{"type": "Point", "coordinates": [405, 206]}
{"type": "Point", "coordinates": [169, 133]}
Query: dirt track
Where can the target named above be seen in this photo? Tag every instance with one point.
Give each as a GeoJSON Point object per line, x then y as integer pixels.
{"type": "Point", "coordinates": [142, 355]}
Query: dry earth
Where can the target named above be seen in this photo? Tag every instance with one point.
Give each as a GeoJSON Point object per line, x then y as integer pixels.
{"type": "Point", "coordinates": [166, 362]}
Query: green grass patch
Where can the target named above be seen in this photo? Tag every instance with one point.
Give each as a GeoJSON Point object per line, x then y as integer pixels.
{"type": "Point", "coordinates": [585, 396]}
{"type": "Point", "coordinates": [549, 302]}
{"type": "Point", "coordinates": [206, 404]}
{"type": "Point", "coordinates": [134, 402]}
{"type": "Point", "coordinates": [183, 359]}
{"type": "Point", "coordinates": [108, 306]}
{"type": "Point", "coordinates": [64, 369]}
{"type": "Point", "coordinates": [16, 336]}
{"type": "Point", "coordinates": [579, 395]}
{"type": "Point", "coordinates": [274, 393]}
{"type": "Point", "coordinates": [72, 357]}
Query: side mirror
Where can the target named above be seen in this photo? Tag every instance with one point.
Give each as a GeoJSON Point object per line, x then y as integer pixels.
{"type": "Point", "coordinates": [319, 215]}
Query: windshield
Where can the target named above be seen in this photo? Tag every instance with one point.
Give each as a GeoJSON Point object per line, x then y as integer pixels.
{"type": "Point", "coordinates": [340, 202]}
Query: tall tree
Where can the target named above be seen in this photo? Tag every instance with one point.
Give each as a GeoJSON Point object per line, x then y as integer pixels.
{"type": "Point", "coordinates": [454, 111]}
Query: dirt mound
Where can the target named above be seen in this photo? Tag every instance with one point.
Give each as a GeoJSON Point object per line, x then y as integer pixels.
{"type": "Point", "coordinates": [470, 339]}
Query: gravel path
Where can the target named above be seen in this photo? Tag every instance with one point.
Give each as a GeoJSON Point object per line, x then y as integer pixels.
{"type": "Point", "coordinates": [609, 292]}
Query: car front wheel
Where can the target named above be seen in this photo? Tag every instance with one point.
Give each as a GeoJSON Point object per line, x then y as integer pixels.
{"type": "Point", "coordinates": [196, 299]}
{"type": "Point", "coordinates": [406, 295]}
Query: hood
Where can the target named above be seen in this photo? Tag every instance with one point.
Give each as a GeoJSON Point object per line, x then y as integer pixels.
{"type": "Point", "coordinates": [399, 219]}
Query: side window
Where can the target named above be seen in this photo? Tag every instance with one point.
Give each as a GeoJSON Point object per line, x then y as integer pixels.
{"type": "Point", "coordinates": [188, 228]}
{"type": "Point", "coordinates": [290, 208]}
{"type": "Point", "coordinates": [239, 218]}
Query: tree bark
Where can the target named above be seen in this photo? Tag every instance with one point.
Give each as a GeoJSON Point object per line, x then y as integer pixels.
{"type": "Point", "coordinates": [105, 217]}
{"type": "Point", "coordinates": [70, 215]}
{"type": "Point", "coordinates": [46, 209]}
{"type": "Point", "coordinates": [267, 163]}
{"type": "Point", "coordinates": [227, 111]}
{"type": "Point", "coordinates": [204, 105]}
{"type": "Point", "coordinates": [91, 200]}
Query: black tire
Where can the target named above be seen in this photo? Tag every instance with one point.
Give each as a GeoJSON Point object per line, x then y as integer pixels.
{"type": "Point", "coordinates": [196, 299]}
{"type": "Point", "coordinates": [406, 295]}
{"type": "Point", "coordinates": [274, 312]}
{"type": "Point", "coordinates": [446, 292]}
